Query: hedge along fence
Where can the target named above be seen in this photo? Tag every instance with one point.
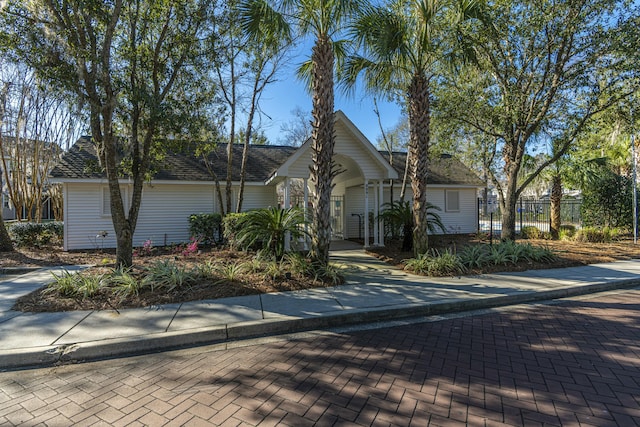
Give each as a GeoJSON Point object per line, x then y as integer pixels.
{"type": "Point", "coordinates": [206, 228]}
{"type": "Point", "coordinates": [35, 234]}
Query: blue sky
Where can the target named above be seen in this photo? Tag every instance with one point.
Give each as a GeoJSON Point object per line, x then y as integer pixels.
{"type": "Point", "coordinates": [283, 96]}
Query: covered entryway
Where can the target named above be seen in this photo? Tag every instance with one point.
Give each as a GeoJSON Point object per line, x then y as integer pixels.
{"type": "Point", "coordinates": [358, 185]}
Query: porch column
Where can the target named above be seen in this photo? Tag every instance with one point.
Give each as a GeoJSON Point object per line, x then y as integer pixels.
{"type": "Point", "coordinates": [287, 205]}
{"type": "Point", "coordinates": [381, 223]}
{"type": "Point", "coordinates": [366, 213]}
{"type": "Point", "coordinates": [376, 205]}
{"type": "Point", "coordinates": [305, 183]}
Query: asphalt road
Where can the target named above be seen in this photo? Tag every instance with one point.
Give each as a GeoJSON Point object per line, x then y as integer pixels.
{"type": "Point", "coordinates": [576, 362]}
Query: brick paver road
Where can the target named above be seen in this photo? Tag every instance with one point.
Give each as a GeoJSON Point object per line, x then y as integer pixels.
{"type": "Point", "coordinates": [576, 363]}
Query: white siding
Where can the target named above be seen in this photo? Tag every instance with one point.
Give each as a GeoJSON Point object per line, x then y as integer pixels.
{"type": "Point", "coordinates": [346, 146]}
{"type": "Point", "coordinates": [464, 221]}
{"type": "Point", "coordinates": [164, 212]}
{"type": "Point", "coordinates": [259, 196]}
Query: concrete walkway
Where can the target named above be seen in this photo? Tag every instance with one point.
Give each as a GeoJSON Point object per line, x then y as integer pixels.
{"type": "Point", "coordinates": [374, 292]}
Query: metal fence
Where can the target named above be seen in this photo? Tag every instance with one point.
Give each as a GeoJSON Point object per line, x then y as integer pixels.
{"type": "Point", "coordinates": [536, 213]}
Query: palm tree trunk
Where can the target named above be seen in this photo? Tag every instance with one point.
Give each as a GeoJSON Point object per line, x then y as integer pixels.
{"type": "Point", "coordinates": [323, 142]}
{"type": "Point", "coordinates": [419, 117]}
{"type": "Point", "coordinates": [556, 198]}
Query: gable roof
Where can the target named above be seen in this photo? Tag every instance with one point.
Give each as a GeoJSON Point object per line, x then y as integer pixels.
{"type": "Point", "coordinates": [81, 163]}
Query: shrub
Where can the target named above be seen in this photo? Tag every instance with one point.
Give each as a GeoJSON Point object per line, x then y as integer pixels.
{"type": "Point", "coordinates": [479, 256]}
{"type": "Point", "coordinates": [530, 232]}
{"type": "Point", "coordinates": [434, 263]}
{"type": "Point", "coordinates": [399, 218]}
{"type": "Point", "coordinates": [36, 234]}
{"type": "Point", "coordinates": [167, 275]}
{"type": "Point", "coordinates": [268, 228]}
{"type": "Point", "coordinates": [567, 232]}
{"type": "Point", "coordinates": [205, 227]}
{"type": "Point", "coordinates": [475, 256]}
{"type": "Point", "coordinates": [124, 283]}
{"type": "Point", "coordinates": [231, 223]}
{"type": "Point", "coordinates": [596, 235]}
{"type": "Point", "coordinates": [76, 285]}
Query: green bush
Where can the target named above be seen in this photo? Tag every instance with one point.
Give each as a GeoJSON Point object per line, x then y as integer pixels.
{"type": "Point", "coordinates": [231, 223]}
{"type": "Point", "coordinates": [434, 263]}
{"type": "Point", "coordinates": [530, 232]}
{"type": "Point", "coordinates": [596, 235]}
{"type": "Point", "coordinates": [567, 232]}
{"type": "Point", "coordinates": [267, 228]}
{"type": "Point", "coordinates": [479, 256]}
{"type": "Point", "coordinates": [36, 234]}
{"type": "Point", "coordinates": [205, 227]}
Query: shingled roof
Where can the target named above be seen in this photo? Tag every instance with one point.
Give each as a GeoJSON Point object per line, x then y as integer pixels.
{"type": "Point", "coordinates": [81, 162]}
{"type": "Point", "coordinates": [443, 170]}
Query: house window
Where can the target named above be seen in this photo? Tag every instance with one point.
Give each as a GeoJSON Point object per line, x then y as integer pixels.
{"type": "Point", "coordinates": [6, 201]}
{"type": "Point", "coordinates": [452, 201]}
{"type": "Point", "coordinates": [106, 200]}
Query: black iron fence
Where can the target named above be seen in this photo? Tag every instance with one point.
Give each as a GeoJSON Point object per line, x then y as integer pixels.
{"type": "Point", "coordinates": [536, 213]}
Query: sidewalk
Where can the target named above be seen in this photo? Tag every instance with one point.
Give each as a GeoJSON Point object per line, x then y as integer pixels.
{"type": "Point", "coordinates": [374, 292]}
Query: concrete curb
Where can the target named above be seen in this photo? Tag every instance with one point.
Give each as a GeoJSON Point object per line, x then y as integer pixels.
{"type": "Point", "coordinates": [39, 357]}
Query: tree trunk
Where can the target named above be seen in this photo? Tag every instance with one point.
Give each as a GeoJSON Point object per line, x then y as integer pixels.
{"type": "Point", "coordinates": [323, 142]}
{"type": "Point", "coordinates": [5, 241]}
{"type": "Point", "coordinates": [508, 208]}
{"type": "Point", "coordinates": [418, 153]}
{"type": "Point", "coordinates": [556, 198]}
{"type": "Point", "coordinates": [403, 188]}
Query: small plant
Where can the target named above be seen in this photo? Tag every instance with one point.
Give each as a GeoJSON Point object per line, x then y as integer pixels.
{"type": "Point", "coordinates": [501, 254]}
{"type": "Point", "coordinates": [530, 232]}
{"type": "Point", "coordinates": [475, 256]}
{"type": "Point", "coordinates": [253, 266]}
{"type": "Point", "coordinates": [186, 249]}
{"type": "Point", "coordinates": [273, 270]}
{"type": "Point", "coordinates": [207, 269]}
{"type": "Point", "coordinates": [167, 275]}
{"type": "Point", "coordinates": [191, 247]}
{"type": "Point", "coordinates": [230, 272]}
{"type": "Point", "coordinates": [124, 283]}
{"type": "Point", "coordinates": [434, 263]}
{"type": "Point", "coordinates": [329, 273]}
{"type": "Point", "coordinates": [298, 263]}
{"type": "Point", "coordinates": [76, 285]}
{"type": "Point", "coordinates": [566, 232]}
{"type": "Point", "coordinates": [146, 249]}
{"type": "Point", "coordinates": [89, 284]}
{"type": "Point", "coordinates": [64, 284]}
{"type": "Point", "coordinates": [595, 235]}
{"type": "Point", "coordinates": [269, 228]}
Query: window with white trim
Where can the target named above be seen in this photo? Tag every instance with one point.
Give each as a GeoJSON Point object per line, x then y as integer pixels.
{"type": "Point", "coordinates": [452, 201]}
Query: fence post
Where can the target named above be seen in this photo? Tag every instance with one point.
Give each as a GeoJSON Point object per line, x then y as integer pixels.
{"type": "Point", "coordinates": [520, 216]}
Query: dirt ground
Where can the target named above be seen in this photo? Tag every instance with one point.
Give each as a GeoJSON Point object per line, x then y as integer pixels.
{"type": "Point", "coordinates": [568, 254]}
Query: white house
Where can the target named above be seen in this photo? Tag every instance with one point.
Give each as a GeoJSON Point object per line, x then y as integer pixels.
{"type": "Point", "coordinates": [183, 186]}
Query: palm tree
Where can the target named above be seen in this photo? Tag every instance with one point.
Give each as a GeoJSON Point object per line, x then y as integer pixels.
{"type": "Point", "coordinates": [322, 19]}
{"type": "Point", "coordinates": [401, 43]}
{"type": "Point", "coordinates": [270, 227]}
{"type": "Point", "coordinates": [398, 214]}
